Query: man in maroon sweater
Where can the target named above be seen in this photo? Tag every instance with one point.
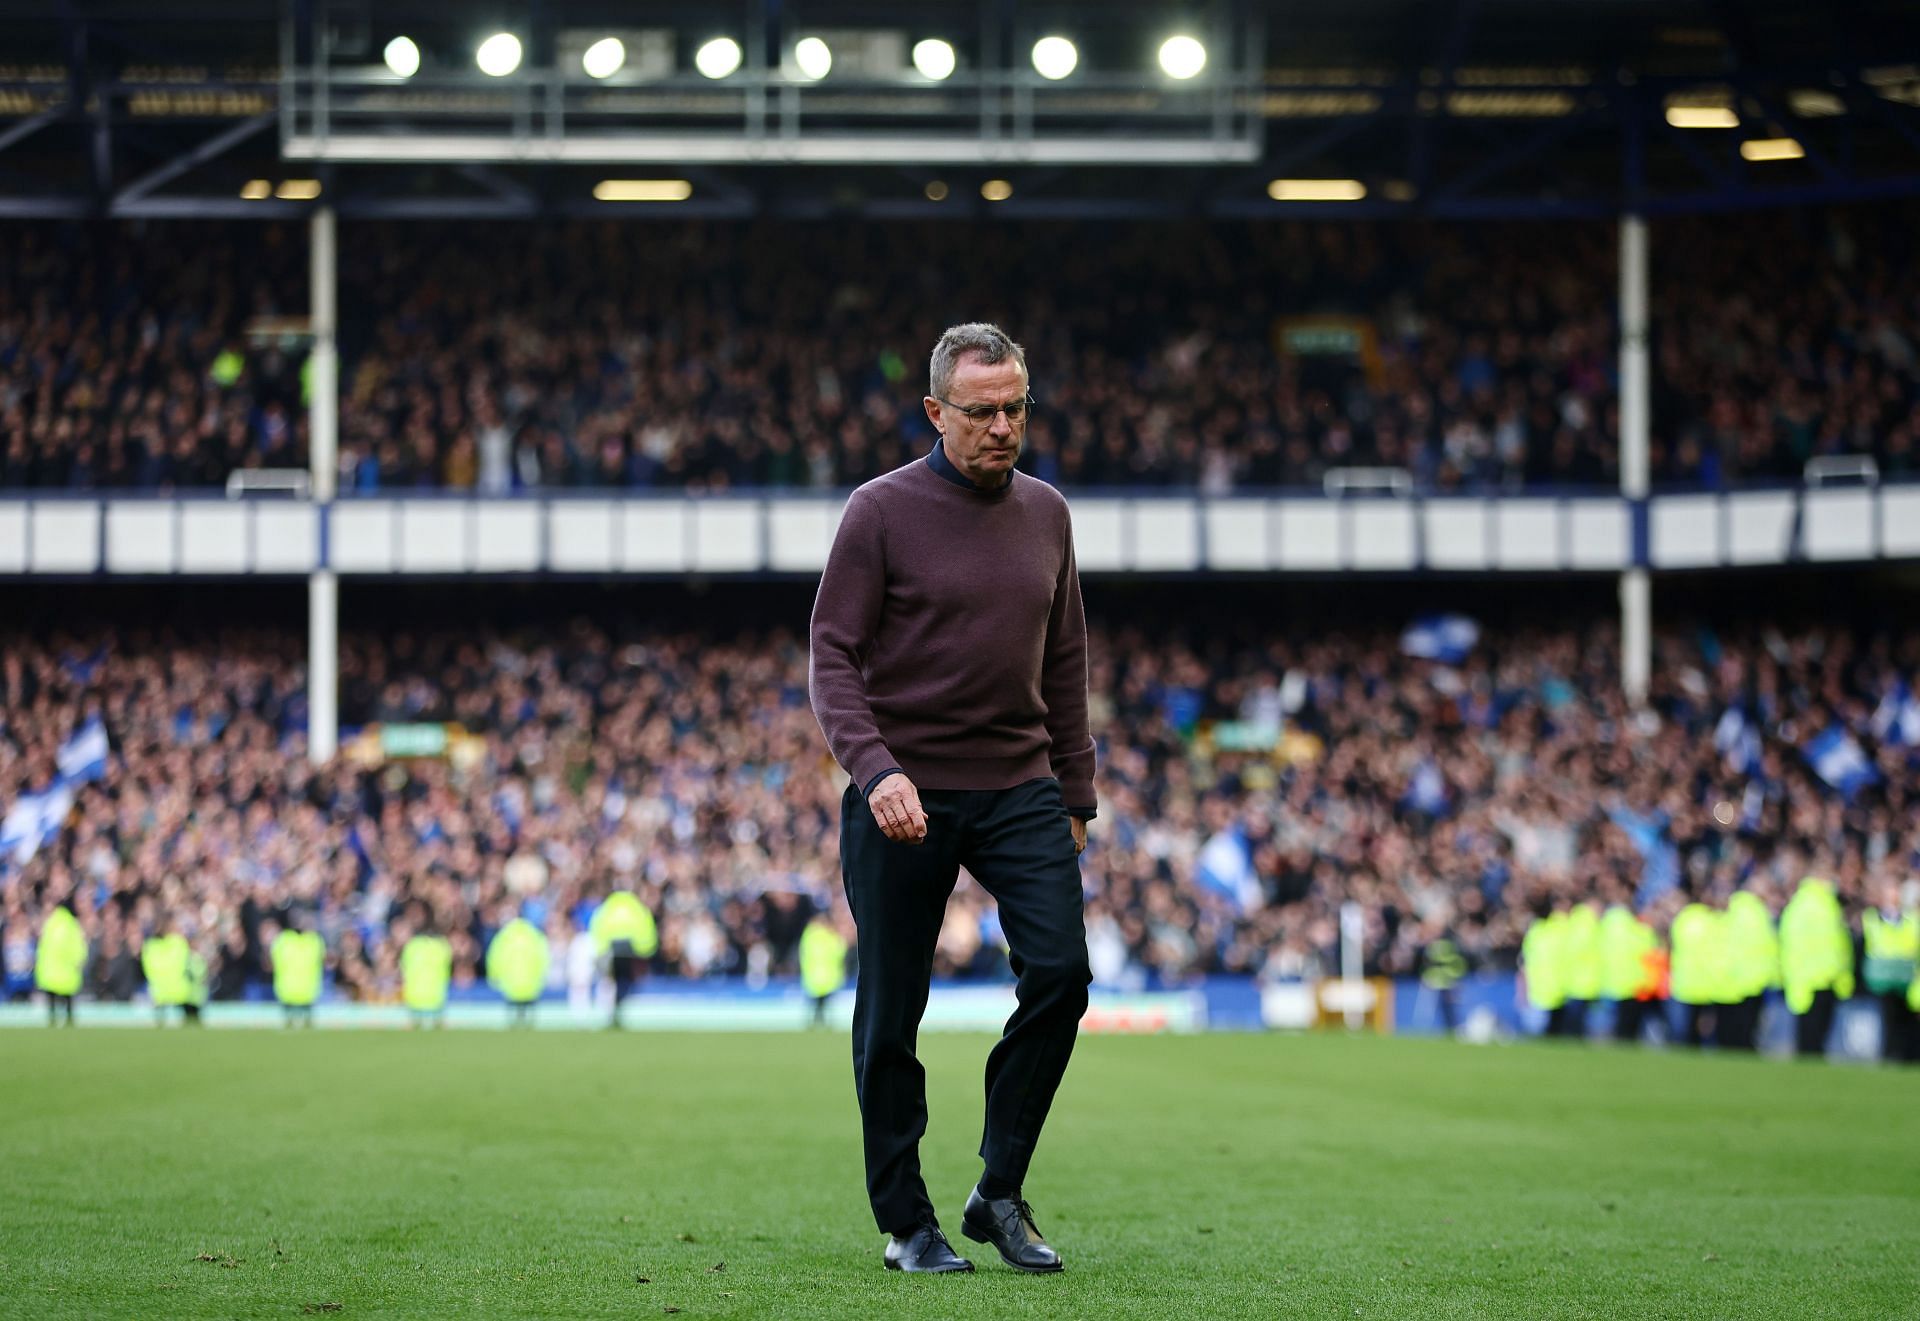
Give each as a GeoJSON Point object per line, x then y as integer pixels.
{"type": "Point", "coordinates": [949, 674]}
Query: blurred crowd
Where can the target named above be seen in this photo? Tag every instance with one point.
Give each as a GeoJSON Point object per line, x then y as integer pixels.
{"type": "Point", "coordinates": [1252, 781]}
{"type": "Point", "coordinates": [780, 354]}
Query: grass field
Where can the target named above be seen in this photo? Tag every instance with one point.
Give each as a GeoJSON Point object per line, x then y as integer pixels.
{"type": "Point", "coordinates": [559, 1174]}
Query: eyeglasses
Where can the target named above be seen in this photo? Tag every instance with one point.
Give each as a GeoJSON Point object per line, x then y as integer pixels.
{"type": "Point", "coordinates": [981, 415]}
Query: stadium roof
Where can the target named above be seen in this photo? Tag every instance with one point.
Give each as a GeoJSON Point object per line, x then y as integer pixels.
{"type": "Point", "coordinates": [1435, 107]}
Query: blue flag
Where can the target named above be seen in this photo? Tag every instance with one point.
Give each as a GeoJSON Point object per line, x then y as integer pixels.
{"type": "Point", "coordinates": [83, 758]}
{"type": "Point", "coordinates": [1836, 758]}
{"type": "Point", "coordinates": [1225, 866]}
{"type": "Point", "coordinates": [33, 821]}
{"type": "Point", "coordinates": [1448, 639]}
{"type": "Point", "coordinates": [1897, 718]}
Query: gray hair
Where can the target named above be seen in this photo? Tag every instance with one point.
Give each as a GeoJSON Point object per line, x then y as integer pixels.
{"type": "Point", "coordinates": [990, 343]}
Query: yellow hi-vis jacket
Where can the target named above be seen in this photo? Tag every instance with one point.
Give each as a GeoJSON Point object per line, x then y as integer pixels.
{"type": "Point", "coordinates": [299, 961]}
{"type": "Point", "coordinates": [624, 917]}
{"type": "Point", "coordinates": [60, 956]}
{"type": "Point", "coordinates": [1697, 940]}
{"type": "Point", "coordinates": [1585, 972]}
{"type": "Point", "coordinates": [1624, 943]}
{"type": "Point", "coordinates": [517, 961]}
{"type": "Point", "coordinates": [1893, 948]}
{"type": "Point", "coordinates": [197, 987]}
{"type": "Point", "coordinates": [1816, 952]}
{"type": "Point", "coordinates": [426, 966]}
{"type": "Point", "coordinates": [1543, 960]}
{"type": "Point", "coordinates": [823, 959]}
{"type": "Point", "coordinates": [1753, 950]}
{"type": "Point", "coordinates": [163, 961]}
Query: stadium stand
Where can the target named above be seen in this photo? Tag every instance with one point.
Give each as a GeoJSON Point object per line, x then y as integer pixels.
{"type": "Point", "coordinates": [1252, 780]}
{"type": "Point", "coordinates": [708, 356]}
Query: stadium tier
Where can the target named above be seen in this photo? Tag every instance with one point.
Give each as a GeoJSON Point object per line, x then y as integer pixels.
{"type": "Point", "coordinates": [1452, 783]}
{"type": "Point", "coordinates": [717, 356]}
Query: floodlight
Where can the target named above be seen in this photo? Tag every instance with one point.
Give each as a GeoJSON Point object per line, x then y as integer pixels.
{"type": "Point", "coordinates": [1316, 190]}
{"type": "Point", "coordinates": [717, 58]}
{"type": "Point", "coordinates": [642, 190]}
{"type": "Point", "coordinates": [604, 57]}
{"type": "Point", "coordinates": [1771, 149]}
{"type": "Point", "coordinates": [1702, 116]}
{"type": "Point", "coordinates": [933, 58]}
{"type": "Point", "coordinates": [1182, 57]}
{"type": "Point", "coordinates": [813, 58]}
{"type": "Point", "coordinates": [499, 55]}
{"type": "Point", "coordinates": [402, 56]}
{"type": "Point", "coordinates": [1054, 57]}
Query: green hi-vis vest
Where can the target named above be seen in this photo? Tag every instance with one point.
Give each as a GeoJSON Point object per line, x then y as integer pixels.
{"type": "Point", "coordinates": [1697, 939]}
{"type": "Point", "coordinates": [1624, 943]}
{"type": "Point", "coordinates": [823, 960]}
{"type": "Point", "coordinates": [1893, 948]}
{"type": "Point", "coordinates": [1445, 965]}
{"type": "Point", "coordinates": [1816, 953]}
{"type": "Point", "coordinates": [299, 959]}
{"type": "Point", "coordinates": [1753, 951]}
{"type": "Point", "coordinates": [1543, 960]}
{"type": "Point", "coordinates": [517, 961]}
{"type": "Point", "coordinates": [1585, 971]}
{"type": "Point", "coordinates": [60, 956]}
{"type": "Point", "coordinates": [163, 961]}
{"type": "Point", "coordinates": [624, 917]}
{"type": "Point", "coordinates": [196, 978]}
{"type": "Point", "coordinates": [426, 967]}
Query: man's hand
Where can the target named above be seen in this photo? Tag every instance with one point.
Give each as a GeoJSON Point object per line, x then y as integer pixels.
{"type": "Point", "coordinates": [1079, 835]}
{"type": "Point", "coordinates": [896, 807]}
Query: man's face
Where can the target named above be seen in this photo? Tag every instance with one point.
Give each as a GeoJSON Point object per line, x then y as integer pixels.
{"type": "Point", "coordinates": [984, 451]}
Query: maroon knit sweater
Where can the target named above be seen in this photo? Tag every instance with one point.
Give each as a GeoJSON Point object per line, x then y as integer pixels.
{"type": "Point", "coordinates": [948, 638]}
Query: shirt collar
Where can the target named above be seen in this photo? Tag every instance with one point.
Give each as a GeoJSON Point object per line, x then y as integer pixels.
{"type": "Point", "coordinates": [938, 461]}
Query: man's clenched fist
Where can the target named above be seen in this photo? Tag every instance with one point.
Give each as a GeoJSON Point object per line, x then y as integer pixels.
{"type": "Point", "coordinates": [896, 806]}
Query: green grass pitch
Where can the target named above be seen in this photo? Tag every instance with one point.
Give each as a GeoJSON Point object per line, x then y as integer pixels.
{"type": "Point", "coordinates": [358, 1174]}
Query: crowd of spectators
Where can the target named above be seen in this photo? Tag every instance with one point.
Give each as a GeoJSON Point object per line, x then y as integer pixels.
{"type": "Point", "coordinates": [496, 358]}
{"type": "Point", "coordinates": [1250, 784]}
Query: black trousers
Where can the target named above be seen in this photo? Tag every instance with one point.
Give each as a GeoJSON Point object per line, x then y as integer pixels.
{"type": "Point", "coordinates": [1740, 1024]}
{"type": "Point", "coordinates": [1810, 1029]}
{"type": "Point", "coordinates": [1018, 844]}
{"type": "Point", "coordinates": [1899, 1030]}
{"type": "Point", "coordinates": [628, 969]}
{"type": "Point", "coordinates": [1629, 1019]}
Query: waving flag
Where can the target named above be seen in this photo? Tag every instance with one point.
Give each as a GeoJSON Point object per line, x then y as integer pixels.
{"type": "Point", "coordinates": [1448, 639]}
{"type": "Point", "coordinates": [1897, 718]}
{"type": "Point", "coordinates": [1737, 741]}
{"type": "Point", "coordinates": [33, 821]}
{"type": "Point", "coordinates": [1837, 759]}
{"type": "Point", "coordinates": [1225, 867]}
{"type": "Point", "coordinates": [83, 758]}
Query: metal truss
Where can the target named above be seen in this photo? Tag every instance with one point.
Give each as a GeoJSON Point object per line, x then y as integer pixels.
{"type": "Point", "coordinates": [1437, 138]}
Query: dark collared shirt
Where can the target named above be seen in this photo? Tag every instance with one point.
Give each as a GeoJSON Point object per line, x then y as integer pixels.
{"type": "Point", "coordinates": [938, 461]}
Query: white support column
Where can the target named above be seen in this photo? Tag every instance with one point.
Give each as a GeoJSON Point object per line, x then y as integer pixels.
{"type": "Point", "coordinates": [323, 665]}
{"type": "Point", "coordinates": [1636, 634]}
{"type": "Point", "coordinates": [323, 416]}
{"type": "Point", "coordinates": [1636, 420]}
{"type": "Point", "coordinates": [323, 432]}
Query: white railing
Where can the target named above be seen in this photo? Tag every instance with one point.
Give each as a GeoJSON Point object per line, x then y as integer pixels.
{"type": "Point", "coordinates": [614, 535]}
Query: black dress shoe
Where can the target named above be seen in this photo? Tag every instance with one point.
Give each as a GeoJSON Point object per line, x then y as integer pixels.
{"type": "Point", "coordinates": [925, 1251]}
{"type": "Point", "coordinates": [1007, 1223]}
